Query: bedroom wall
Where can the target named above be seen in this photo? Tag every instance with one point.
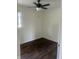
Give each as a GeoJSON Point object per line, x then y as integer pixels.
{"type": "Point", "coordinates": [31, 24]}
{"type": "Point", "coordinates": [39, 24]}
{"type": "Point", "coordinates": [52, 24]}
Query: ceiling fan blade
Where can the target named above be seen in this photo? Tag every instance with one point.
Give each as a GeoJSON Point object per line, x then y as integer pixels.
{"type": "Point", "coordinates": [43, 7]}
{"type": "Point", "coordinates": [46, 4]}
{"type": "Point", "coordinates": [39, 1]}
{"type": "Point", "coordinates": [35, 3]}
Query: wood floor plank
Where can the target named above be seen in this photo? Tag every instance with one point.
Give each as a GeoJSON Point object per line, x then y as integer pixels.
{"type": "Point", "coordinates": [39, 49]}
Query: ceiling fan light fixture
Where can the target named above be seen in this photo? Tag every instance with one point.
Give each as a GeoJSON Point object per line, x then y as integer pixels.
{"type": "Point", "coordinates": [38, 9]}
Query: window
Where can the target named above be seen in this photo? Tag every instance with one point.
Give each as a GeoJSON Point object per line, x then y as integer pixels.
{"type": "Point", "coordinates": [19, 20]}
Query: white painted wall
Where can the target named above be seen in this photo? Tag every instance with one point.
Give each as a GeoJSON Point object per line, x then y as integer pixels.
{"type": "Point", "coordinates": [31, 24]}
{"type": "Point", "coordinates": [52, 24]}
{"type": "Point", "coordinates": [39, 24]}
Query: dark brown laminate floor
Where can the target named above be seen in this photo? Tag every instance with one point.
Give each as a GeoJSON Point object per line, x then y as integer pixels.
{"type": "Point", "coordinates": [39, 49]}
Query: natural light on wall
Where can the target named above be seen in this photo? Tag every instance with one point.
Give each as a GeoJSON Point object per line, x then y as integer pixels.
{"type": "Point", "coordinates": [19, 20]}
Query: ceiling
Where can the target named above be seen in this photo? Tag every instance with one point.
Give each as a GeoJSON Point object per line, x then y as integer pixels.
{"type": "Point", "coordinates": [29, 3]}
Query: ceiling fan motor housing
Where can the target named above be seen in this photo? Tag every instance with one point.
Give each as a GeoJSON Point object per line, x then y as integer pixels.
{"type": "Point", "coordinates": [39, 5]}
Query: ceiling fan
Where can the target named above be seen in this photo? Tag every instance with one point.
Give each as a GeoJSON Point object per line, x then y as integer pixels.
{"type": "Point", "coordinates": [40, 6]}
